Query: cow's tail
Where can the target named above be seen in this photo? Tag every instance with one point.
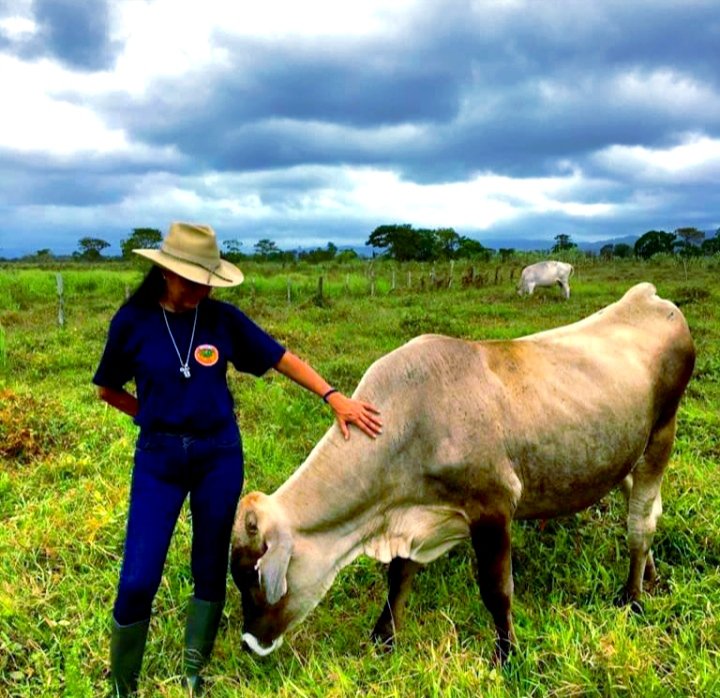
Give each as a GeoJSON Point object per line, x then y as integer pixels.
{"type": "Point", "coordinates": [572, 271]}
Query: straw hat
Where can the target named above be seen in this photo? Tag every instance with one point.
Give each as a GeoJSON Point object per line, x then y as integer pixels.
{"type": "Point", "coordinates": [191, 251]}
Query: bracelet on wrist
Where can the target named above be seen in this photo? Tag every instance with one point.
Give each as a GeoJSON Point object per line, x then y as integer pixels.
{"type": "Point", "coordinates": [329, 393]}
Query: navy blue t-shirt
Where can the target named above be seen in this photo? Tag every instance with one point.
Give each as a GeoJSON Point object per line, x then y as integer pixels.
{"type": "Point", "coordinates": [139, 346]}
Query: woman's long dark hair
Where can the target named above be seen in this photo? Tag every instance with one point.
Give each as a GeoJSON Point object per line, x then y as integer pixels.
{"type": "Point", "coordinates": [150, 290]}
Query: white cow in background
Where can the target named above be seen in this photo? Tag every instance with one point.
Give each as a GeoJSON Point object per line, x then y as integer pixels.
{"type": "Point", "coordinates": [545, 274]}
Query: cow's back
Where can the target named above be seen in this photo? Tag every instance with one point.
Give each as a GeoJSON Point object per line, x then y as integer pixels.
{"type": "Point", "coordinates": [569, 409]}
{"type": "Point", "coordinates": [588, 395]}
{"type": "Point", "coordinates": [547, 271]}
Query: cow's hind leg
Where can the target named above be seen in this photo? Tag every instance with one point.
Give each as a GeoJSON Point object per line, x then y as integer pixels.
{"type": "Point", "coordinates": [644, 509]}
{"type": "Point", "coordinates": [491, 541]}
{"type": "Point", "coordinates": [400, 575]}
{"type": "Point", "coordinates": [650, 574]}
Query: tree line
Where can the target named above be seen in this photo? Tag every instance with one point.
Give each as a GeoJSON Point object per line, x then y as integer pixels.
{"type": "Point", "coordinates": [403, 243]}
{"type": "Point", "coordinates": [685, 242]}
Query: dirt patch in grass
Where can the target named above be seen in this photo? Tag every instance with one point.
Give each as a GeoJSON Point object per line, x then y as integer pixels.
{"type": "Point", "coordinates": [29, 426]}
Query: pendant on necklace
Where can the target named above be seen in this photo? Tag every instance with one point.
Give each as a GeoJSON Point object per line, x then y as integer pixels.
{"type": "Point", "coordinates": [184, 365]}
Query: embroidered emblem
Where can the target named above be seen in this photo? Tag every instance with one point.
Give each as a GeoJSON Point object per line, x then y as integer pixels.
{"type": "Point", "coordinates": [206, 355]}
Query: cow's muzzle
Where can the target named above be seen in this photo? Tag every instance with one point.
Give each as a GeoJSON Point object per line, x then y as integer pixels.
{"type": "Point", "coordinates": [252, 642]}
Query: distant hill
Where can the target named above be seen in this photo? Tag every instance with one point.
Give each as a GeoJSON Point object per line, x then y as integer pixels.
{"type": "Point", "coordinates": [523, 244]}
{"type": "Point", "coordinates": [595, 246]}
{"type": "Point", "coordinates": [599, 244]}
{"type": "Point", "coordinates": [527, 245]}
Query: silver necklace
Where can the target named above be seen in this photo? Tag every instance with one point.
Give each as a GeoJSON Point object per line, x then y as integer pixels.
{"type": "Point", "coordinates": [184, 366]}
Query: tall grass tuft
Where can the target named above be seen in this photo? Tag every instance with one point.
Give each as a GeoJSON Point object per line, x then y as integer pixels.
{"type": "Point", "coordinates": [3, 348]}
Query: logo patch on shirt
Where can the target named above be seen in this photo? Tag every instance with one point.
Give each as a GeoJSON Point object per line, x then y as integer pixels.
{"type": "Point", "coordinates": [206, 355]}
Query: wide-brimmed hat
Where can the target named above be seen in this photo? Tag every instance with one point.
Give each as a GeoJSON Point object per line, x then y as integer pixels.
{"type": "Point", "coordinates": [191, 251]}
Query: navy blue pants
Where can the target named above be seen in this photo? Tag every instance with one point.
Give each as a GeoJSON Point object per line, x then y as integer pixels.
{"type": "Point", "coordinates": [168, 467]}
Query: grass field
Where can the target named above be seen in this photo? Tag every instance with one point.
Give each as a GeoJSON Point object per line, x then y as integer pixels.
{"type": "Point", "coordinates": [65, 463]}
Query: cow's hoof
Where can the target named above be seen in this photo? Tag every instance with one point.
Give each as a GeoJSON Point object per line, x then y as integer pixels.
{"type": "Point", "coordinates": [383, 638]}
{"type": "Point", "coordinates": [386, 646]}
{"type": "Point", "coordinates": [636, 606]}
{"type": "Point", "coordinates": [502, 653]}
{"type": "Point", "coordinates": [626, 599]}
{"type": "Point", "coordinates": [500, 658]}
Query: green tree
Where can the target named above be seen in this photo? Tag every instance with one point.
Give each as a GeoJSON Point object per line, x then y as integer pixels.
{"type": "Point", "coordinates": [319, 254]}
{"type": "Point", "coordinates": [607, 251]}
{"type": "Point", "coordinates": [347, 256]}
{"type": "Point", "coordinates": [711, 245]}
{"type": "Point", "coordinates": [690, 235]}
{"type": "Point", "coordinates": [267, 249]}
{"type": "Point", "coordinates": [653, 242]}
{"type": "Point", "coordinates": [400, 241]}
{"type": "Point", "coordinates": [141, 239]}
{"type": "Point", "coordinates": [405, 244]}
{"type": "Point", "coordinates": [427, 245]}
{"type": "Point", "coordinates": [232, 250]}
{"type": "Point", "coordinates": [448, 242]}
{"type": "Point", "coordinates": [472, 249]}
{"type": "Point", "coordinates": [91, 248]}
{"type": "Point", "coordinates": [505, 253]}
{"type": "Point", "coordinates": [563, 242]}
{"type": "Point", "coordinates": [690, 241]}
{"type": "Point", "coordinates": [622, 249]}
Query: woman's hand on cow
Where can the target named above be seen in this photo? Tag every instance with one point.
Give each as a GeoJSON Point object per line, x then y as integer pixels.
{"type": "Point", "coordinates": [347, 410]}
{"type": "Point", "coordinates": [363, 415]}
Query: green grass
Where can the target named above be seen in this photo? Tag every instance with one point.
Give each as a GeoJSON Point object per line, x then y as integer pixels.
{"type": "Point", "coordinates": [65, 463]}
{"type": "Point", "coordinates": [3, 350]}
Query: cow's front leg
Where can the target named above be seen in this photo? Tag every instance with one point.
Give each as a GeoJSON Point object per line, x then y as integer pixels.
{"type": "Point", "coordinates": [400, 575]}
{"type": "Point", "coordinates": [491, 541]}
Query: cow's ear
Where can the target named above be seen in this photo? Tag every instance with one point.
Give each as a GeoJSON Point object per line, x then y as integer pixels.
{"type": "Point", "coordinates": [272, 566]}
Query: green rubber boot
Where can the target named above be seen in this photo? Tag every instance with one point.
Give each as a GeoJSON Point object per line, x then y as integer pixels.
{"type": "Point", "coordinates": [203, 621]}
{"type": "Point", "coordinates": [127, 646]}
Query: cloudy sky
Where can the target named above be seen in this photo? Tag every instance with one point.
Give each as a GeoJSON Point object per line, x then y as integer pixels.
{"type": "Point", "coordinates": [316, 121]}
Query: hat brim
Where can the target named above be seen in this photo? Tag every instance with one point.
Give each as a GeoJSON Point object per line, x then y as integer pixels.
{"type": "Point", "coordinates": [227, 274]}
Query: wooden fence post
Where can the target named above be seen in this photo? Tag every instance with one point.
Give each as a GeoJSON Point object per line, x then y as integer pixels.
{"type": "Point", "coordinates": [289, 293]}
{"type": "Point", "coordinates": [61, 300]}
{"type": "Point", "coordinates": [320, 290]}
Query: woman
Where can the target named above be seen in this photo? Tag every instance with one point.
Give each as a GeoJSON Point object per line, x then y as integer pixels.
{"type": "Point", "coordinates": [176, 343]}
